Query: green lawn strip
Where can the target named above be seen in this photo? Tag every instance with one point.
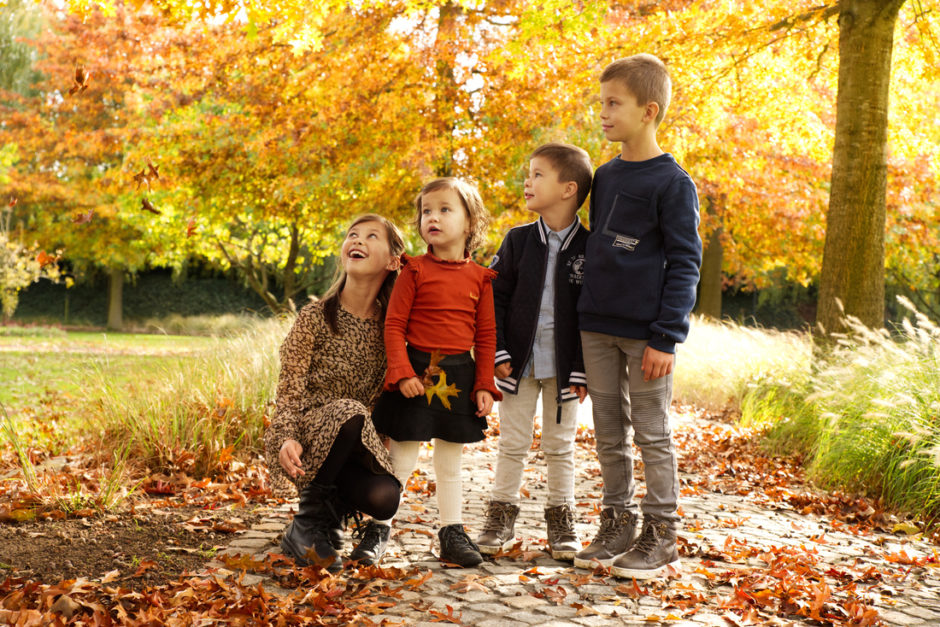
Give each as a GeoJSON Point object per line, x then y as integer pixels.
{"type": "Point", "coordinates": [43, 378]}
{"type": "Point", "coordinates": [97, 342]}
{"type": "Point", "coordinates": [27, 377]}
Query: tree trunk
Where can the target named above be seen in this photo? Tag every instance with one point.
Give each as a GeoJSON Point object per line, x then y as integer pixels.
{"type": "Point", "coordinates": [446, 87]}
{"type": "Point", "coordinates": [115, 298]}
{"type": "Point", "coordinates": [853, 268]}
{"type": "Point", "coordinates": [709, 286]}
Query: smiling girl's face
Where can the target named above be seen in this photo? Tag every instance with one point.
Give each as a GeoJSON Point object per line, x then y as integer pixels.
{"type": "Point", "coordinates": [366, 250]}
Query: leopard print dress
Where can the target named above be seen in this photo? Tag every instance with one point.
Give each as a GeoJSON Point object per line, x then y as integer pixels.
{"type": "Point", "coordinates": [325, 380]}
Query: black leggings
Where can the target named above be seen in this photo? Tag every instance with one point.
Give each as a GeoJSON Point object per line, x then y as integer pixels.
{"type": "Point", "coordinates": [376, 495]}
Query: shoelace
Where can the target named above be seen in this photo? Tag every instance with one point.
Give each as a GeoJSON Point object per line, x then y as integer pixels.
{"type": "Point", "coordinates": [460, 540]}
{"type": "Point", "coordinates": [609, 530]}
{"type": "Point", "coordinates": [647, 540]}
{"type": "Point", "coordinates": [369, 534]}
{"type": "Point", "coordinates": [564, 520]}
{"type": "Point", "coordinates": [496, 518]}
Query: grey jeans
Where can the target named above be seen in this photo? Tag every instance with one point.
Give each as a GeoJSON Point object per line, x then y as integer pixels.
{"type": "Point", "coordinates": [624, 402]}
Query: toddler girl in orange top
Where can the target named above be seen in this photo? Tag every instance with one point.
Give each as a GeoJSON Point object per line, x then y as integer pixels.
{"type": "Point", "coordinates": [442, 302]}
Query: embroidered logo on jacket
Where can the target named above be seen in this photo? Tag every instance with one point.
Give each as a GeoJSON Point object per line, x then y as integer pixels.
{"type": "Point", "coordinates": [576, 270]}
{"type": "Point", "coordinates": [628, 243]}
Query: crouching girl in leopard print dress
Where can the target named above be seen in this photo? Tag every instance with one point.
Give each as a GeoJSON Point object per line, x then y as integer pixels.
{"type": "Point", "coordinates": [321, 435]}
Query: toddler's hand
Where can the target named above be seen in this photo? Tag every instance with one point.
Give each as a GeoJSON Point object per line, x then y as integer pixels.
{"type": "Point", "coordinates": [484, 402]}
{"type": "Point", "coordinates": [289, 456]}
{"type": "Point", "coordinates": [503, 370]}
{"type": "Point", "coordinates": [581, 391]}
{"type": "Point", "coordinates": [411, 387]}
{"type": "Point", "coordinates": [656, 363]}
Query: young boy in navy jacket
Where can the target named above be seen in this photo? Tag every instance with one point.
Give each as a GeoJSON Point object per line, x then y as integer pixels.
{"type": "Point", "coordinates": [642, 267]}
{"type": "Point", "coordinates": [538, 347]}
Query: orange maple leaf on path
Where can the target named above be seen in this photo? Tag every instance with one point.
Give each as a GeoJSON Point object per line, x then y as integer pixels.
{"type": "Point", "coordinates": [442, 390]}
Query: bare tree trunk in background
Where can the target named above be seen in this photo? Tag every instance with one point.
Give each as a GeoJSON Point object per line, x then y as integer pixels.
{"type": "Point", "coordinates": [115, 298]}
{"type": "Point", "coordinates": [853, 268]}
{"type": "Point", "coordinates": [709, 286]}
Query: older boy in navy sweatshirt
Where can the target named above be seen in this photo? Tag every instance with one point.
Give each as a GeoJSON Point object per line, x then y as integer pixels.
{"type": "Point", "coordinates": [642, 267]}
{"type": "Point", "coordinates": [538, 348]}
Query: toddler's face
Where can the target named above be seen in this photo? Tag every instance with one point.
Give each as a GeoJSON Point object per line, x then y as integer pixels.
{"type": "Point", "coordinates": [444, 220]}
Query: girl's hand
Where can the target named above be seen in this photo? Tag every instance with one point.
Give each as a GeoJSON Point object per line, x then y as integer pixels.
{"type": "Point", "coordinates": [411, 387]}
{"type": "Point", "coordinates": [503, 370]}
{"type": "Point", "coordinates": [484, 402]}
{"type": "Point", "coordinates": [289, 456]}
{"type": "Point", "coordinates": [581, 391]}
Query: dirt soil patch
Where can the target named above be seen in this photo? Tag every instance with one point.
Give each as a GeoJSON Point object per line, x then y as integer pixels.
{"type": "Point", "coordinates": [137, 549]}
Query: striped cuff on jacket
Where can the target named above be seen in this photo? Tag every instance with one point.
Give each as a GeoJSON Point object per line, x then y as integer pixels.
{"type": "Point", "coordinates": [577, 378]}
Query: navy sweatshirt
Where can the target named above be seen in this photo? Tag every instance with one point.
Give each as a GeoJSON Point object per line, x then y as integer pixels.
{"type": "Point", "coordinates": [644, 252]}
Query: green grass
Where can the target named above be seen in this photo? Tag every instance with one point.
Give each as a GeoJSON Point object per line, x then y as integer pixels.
{"type": "Point", "coordinates": [135, 402]}
{"type": "Point", "coordinates": [722, 362]}
{"type": "Point", "coordinates": [198, 411]}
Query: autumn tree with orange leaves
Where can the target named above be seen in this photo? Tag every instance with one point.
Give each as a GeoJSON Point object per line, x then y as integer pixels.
{"type": "Point", "coordinates": [272, 132]}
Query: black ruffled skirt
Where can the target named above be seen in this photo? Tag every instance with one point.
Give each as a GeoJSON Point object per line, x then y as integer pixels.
{"type": "Point", "coordinates": [421, 418]}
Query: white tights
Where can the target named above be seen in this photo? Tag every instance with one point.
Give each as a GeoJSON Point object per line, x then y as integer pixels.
{"type": "Point", "coordinates": [447, 457]}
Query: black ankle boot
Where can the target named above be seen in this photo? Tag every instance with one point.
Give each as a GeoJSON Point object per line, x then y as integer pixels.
{"type": "Point", "coordinates": [372, 545]}
{"type": "Point", "coordinates": [309, 538]}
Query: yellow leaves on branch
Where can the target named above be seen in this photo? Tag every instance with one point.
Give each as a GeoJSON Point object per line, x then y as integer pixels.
{"type": "Point", "coordinates": [441, 389]}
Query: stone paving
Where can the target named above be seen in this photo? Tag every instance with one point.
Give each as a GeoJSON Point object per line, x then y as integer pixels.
{"type": "Point", "coordinates": [509, 592]}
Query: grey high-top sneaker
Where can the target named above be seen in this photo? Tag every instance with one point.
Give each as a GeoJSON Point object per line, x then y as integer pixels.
{"type": "Point", "coordinates": [499, 527]}
{"type": "Point", "coordinates": [653, 554]}
{"type": "Point", "coordinates": [615, 536]}
{"type": "Point", "coordinates": [563, 540]}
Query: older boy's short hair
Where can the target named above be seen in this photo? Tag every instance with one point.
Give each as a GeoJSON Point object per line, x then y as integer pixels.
{"type": "Point", "coordinates": [646, 77]}
{"type": "Point", "coordinates": [571, 163]}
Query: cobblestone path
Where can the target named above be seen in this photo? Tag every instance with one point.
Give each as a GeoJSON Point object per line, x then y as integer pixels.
{"type": "Point", "coordinates": [723, 539]}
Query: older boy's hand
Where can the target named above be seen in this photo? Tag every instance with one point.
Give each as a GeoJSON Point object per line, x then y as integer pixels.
{"type": "Point", "coordinates": [581, 391]}
{"type": "Point", "coordinates": [411, 387]}
{"type": "Point", "coordinates": [656, 363]}
{"type": "Point", "coordinates": [289, 456]}
{"type": "Point", "coordinates": [503, 370]}
{"type": "Point", "coordinates": [484, 402]}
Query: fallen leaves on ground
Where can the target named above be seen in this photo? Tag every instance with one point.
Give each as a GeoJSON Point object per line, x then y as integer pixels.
{"type": "Point", "coordinates": [314, 596]}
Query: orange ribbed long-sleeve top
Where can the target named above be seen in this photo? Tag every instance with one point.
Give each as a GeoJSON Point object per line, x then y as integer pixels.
{"type": "Point", "coordinates": [445, 305]}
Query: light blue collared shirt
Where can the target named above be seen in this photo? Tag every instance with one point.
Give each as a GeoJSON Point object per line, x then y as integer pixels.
{"type": "Point", "coordinates": [542, 363]}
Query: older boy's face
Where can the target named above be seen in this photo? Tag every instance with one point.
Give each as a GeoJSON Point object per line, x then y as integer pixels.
{"type": "Point", "coordinates": [622, 117]}
{"type": "Point", "coordinates": [542, 187]}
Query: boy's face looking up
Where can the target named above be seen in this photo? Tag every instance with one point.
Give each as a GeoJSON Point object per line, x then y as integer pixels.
{"type": "Point", "coordinates": [623, 119]}
{"type": "Point", "coordinates": [543, 190]}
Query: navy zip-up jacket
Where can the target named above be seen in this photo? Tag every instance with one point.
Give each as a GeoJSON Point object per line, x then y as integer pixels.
{"type": "Point", "coordinates": [644, 252]}
{"type": "Point", "coordinates": [517, 294]}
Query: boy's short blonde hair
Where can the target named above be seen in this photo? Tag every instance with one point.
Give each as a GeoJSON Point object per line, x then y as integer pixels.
{"type": "Point", "coordinates": [571, 163]}
{"type": "Point", "coordinates": [646, 77]}
{"type": "Point", "coordinates": [477, 214]}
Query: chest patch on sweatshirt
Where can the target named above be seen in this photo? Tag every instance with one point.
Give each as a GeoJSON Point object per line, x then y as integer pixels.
{"type": "Point", "coordinates": [576, 270]}
{"type": "Point", "coordinates": [627, 243]}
